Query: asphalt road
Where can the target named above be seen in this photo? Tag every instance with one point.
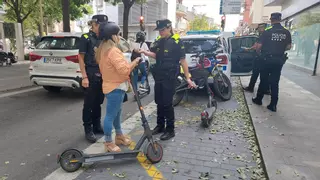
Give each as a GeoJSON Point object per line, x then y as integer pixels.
{"type": "Point", "coordinates": [36, 126]}
{"type": "Point", "coordinates": [14, 77]}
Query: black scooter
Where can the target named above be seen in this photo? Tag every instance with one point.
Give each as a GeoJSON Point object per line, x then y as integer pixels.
{"type": "Point", "coordinates": [72, 159]}
{"type": "Point", "coordinates": [200, 75]}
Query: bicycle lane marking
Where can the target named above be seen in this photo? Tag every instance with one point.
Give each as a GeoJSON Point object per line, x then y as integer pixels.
{"type": "Point", "coordinates": [127, 126]}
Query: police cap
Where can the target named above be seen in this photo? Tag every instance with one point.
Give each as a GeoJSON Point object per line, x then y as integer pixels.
{"type": "Point", "coordinates": [99, 18]}
{"type": "Point", "coordinates": [276, 16]}
{"type": "Point", "coordinates": [161, 24]}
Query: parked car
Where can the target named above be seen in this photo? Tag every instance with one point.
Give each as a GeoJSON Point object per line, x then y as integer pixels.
{"type": "Point", "coordinates": [54, 63]}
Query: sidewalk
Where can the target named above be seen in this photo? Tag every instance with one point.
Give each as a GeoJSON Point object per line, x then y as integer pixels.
{"type": "Point", "coordinates": [227, 150]}
{"type": "Point", "coordinates": [289, 139]}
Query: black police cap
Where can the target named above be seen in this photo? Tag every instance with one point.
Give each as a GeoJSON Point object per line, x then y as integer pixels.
{"type": "Point", "coordinates": [99, 18]}
{"type": "Point", "coordinates": [161, 24]}
{"type": "Point", "coordinates": [276, 16]}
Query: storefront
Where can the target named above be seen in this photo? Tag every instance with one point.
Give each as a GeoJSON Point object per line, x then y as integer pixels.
{"type": "Point", "coordinates": [305, 30]}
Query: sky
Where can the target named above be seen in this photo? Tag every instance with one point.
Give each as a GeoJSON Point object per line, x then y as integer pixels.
{"type": "Point", "coordinates": [212, 10]}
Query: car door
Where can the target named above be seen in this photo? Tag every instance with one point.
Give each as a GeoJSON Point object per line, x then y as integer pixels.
{"type": "Point", "coordinates": [241, 60]}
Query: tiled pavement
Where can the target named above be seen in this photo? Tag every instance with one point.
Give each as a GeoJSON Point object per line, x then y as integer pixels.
{"type": "Point", "coordinates": [289, 138]}
{"type": "Point", "coordinates": [227, 150]}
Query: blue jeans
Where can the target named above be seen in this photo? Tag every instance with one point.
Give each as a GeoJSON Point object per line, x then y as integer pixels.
{"type": "Point", "coordinates": [142, 68]}
{"type": "Point", "coordinates": [113, 114]}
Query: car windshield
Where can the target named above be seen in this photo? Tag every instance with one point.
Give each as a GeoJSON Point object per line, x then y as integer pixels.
{"type": "Point", "coordinates": [194, 45]}
{"type": "Point", "coordinates": [59, 43]}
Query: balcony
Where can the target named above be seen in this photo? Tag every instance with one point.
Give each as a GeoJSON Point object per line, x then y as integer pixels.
{"type": "Point", "coordinates": [273, 2]}
{"type": "Point", "coordinates": [181, 9]}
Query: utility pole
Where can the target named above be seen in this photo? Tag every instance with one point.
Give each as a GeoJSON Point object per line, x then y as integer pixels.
{"type": "Point", "coordinates": [66, 15]}
{"type": "Point", "coordinates": [41, 18]}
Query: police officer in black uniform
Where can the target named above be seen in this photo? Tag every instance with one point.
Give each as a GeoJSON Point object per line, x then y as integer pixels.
{"type": "Point", "coordinates": [273, 43]}
{"type": "Point", "coordinates": [168, 50]}
{"type": "Point", "coordinates": [91, 79]}
{"type": "Point", "coordinates": [256, 63]}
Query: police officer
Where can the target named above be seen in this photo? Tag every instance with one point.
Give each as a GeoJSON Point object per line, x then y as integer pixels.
{"type": "Point", "coordinates": [91, 79]}
{"type": "Point", "coordinates": [168, 51]}
{"type": "Point", "coordinates": [256, 68]}
{"type": "Point", "coordinates": [273, 43]}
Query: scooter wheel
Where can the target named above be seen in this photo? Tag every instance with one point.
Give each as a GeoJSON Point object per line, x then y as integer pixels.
{"type": "Point", "coordinates": [205, 122]}
{"type": "Point", "coordinates": [154, 157]}
{"type": "Point", "coordinates": [70, 160]}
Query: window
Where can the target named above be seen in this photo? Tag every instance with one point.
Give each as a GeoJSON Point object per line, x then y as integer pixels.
{"type": "Point", "coordinates": [124, 46]}
{"type": "Point", "coordinates": [58, 43]}
{"type": "Point", "coordinates": [194, 45]}
{"type": "Point", "coordinates": [242, 42]}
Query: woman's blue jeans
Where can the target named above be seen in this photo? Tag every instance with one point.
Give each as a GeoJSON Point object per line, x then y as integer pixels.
{"type": "Point", "coordinates": [142, 68]}
{"type": "Point", "coordinates": [113, 113]}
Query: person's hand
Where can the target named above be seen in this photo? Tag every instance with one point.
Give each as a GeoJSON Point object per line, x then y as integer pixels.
{"type": "Point", "coordinates": [137, 60]}
{"type": "Point", "coordinates": [136, 50]}
{"type": "Point", "coordinates": [85, 82]}
{"type": "Point", "coordinates": [191, 84]}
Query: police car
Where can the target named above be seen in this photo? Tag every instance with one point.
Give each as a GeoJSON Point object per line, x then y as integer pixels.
{"type": "Point", "coordinates": [229, 49]}
{"type": "Point", "coordinates": [54, 63]}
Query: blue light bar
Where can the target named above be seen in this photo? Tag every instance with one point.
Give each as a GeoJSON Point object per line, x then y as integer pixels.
{"type": "Point", "coordinates": [214, 32]}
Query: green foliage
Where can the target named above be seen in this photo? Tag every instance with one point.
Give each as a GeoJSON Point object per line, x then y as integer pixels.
{"type": "Point", "coordinates": [201, 22]}
{"type": "Point", "coordinates": [52, 12]}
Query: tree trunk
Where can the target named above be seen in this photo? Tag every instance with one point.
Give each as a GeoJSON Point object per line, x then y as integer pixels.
{"type": "Point", "coordinates": [19, 20]}
{"type": "Point", "coordinates": [126, 12]}
{"type": "Point", "coordinates": [66, 15]}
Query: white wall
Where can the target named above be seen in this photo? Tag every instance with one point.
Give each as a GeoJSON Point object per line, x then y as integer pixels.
{"type": "Point", "coordinates": [260, 14]}
{"type": "Point", "coordinates": [172, 7]}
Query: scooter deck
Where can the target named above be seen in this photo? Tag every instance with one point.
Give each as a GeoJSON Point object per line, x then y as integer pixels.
{"type": "Point", "coordinates": [110, 156]}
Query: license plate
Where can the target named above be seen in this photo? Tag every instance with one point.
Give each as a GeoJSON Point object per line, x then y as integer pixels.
{"type": "Point", "coordinates": [52, 60]}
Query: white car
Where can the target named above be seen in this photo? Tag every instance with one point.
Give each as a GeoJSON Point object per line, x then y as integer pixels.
{"type": "Point", "coordinates": [54, 63]}
{"type": "Point", "coordinates": [229, 52]}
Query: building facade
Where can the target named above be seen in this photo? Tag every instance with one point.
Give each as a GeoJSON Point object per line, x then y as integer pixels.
{"type": "Point", "coordinates": [302, 18]}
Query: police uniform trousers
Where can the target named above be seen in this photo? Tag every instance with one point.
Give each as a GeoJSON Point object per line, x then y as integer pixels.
{"type": "Point", "coordinates": [255, 74]}
{"type": "Point", "coordinates": [270, 72]}
{"type": "Point", "coordinates": [93, 98]}
{"type": "Point", "coordinates": [164, 90]}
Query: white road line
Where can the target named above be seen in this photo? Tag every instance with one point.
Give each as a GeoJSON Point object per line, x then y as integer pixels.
{"type": "Point", "coordinates": [127, 126]}
{"type": "Point", "coordinates": [19, 92]}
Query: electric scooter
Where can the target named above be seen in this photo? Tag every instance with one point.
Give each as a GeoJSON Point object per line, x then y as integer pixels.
{"type": "Point", "coordinates": [145, 91]}
{"type": "Point", "coordinates": [200, 75]}
{"type": "Point", "coordinates": [72, 159]}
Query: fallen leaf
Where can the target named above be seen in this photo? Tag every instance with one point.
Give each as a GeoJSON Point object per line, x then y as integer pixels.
{"type": "Point", "coordinates": [22, 164]}
{"type": "Point", "coordinates": [204, 176]}
{"type": "Point", "coordinates": [226, 176]}
{"type": "Point", "coordinates": [297, 174]}
{"type": "Point", "coordinates": [278, 171]}
{"type": "Point", "coordinates": [48, 155]}
{"type": "Point", "coordinates": [174, 171]}
{"type": "Point", "coordinates": [7, 162]}
{"type": "Point", "coordinates": [108, 169]}
{"type": "Point", "coordinates": [121, 175]}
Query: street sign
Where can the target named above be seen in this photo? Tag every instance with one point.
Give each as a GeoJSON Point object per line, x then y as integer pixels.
{"type": "Point", "coordinates": [230, 6]}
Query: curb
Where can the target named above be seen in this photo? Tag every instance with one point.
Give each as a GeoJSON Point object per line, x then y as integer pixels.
{"type": "Point", "coordinates": [255, 133]}
{"type": "Point", "coordinates": [301, 68]}
{"type": "Point", "coordinates": [22, 62]}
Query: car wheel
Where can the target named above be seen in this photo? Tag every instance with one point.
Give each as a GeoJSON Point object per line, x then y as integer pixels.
{"type": "Point", "coordinates": [53, 89]}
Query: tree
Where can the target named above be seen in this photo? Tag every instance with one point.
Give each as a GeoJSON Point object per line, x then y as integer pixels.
{"type": "Point", "coordinates": [200, 22]}
{"type": "Point", "coordinates": [19, 11]}
{"type": "Point", "coordinates": [127, 4]}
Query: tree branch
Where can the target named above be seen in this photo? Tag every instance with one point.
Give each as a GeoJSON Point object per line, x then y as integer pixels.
{"type": "Point", "coordinates": [29, 12]}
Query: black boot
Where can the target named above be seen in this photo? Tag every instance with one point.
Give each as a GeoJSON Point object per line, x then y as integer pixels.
{"type": "Point", "coordinates": [158, 129]}
{"type": "Point", "coordinates": [272, 107]}
{"type": "Point", "coordinates": [257, 101]}
{"type": "Point", "coordinates": [249, 89]}
{"type": "Point", "coordinates": [98, 130]}
{"type": "Point", "coordinates": [167, 135]}
{"type": "Point", "coordinates": [90, 135]}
